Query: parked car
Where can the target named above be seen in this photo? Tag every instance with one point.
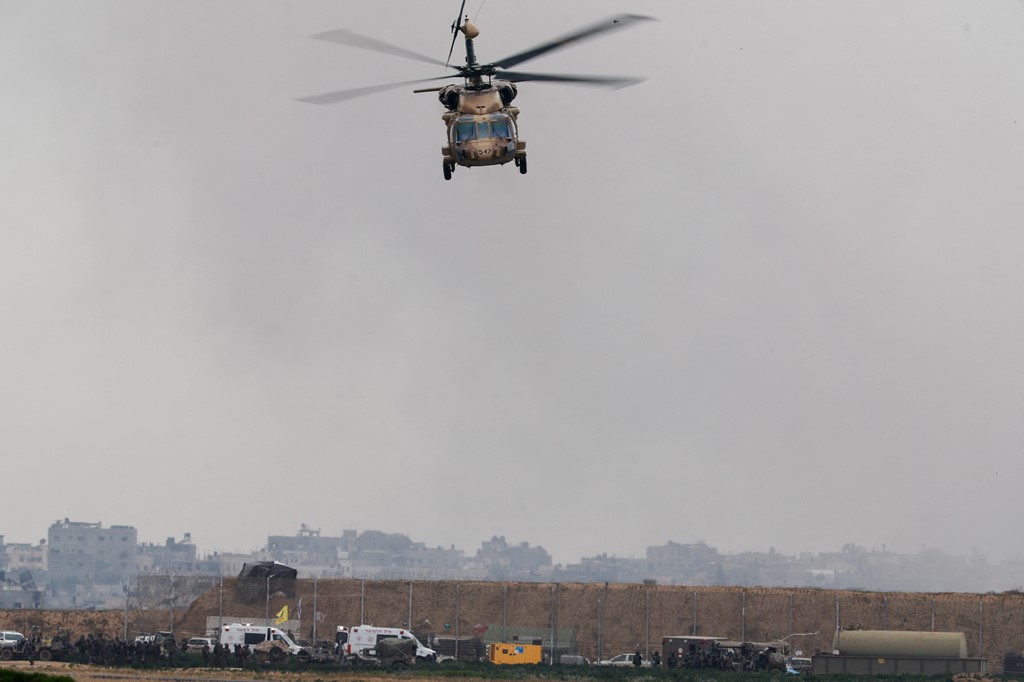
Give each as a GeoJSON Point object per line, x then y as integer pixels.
{"type": "Point", "coordinates": [625, 660]}
{"type": "Point", "coordinates": [9, 643]}
{"type": "Point", "coordinates": [197, 643]}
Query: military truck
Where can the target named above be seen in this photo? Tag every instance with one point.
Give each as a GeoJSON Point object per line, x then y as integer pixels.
{"type": "Point", "coordinates": [52, 648]}
{"type": "Point", "coordinates": [465, 649]}
{"type": "Point", "coordinates": [686, 651]}
{"type": "Point", "coordinates": [393, 652]}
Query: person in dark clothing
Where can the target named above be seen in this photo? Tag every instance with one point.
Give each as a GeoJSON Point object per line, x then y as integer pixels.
{"type": "Point", "coordinates": [656, 659]}
{"type": "Point", "coordinates": [637, 659]}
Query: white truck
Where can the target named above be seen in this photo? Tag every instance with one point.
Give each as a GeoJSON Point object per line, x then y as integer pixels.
{"type": "Point", "coordinates": [361, 646]}
{"type": "Point", "coordinates": [238, 634]}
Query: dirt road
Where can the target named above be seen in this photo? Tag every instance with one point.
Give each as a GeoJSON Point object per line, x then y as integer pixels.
{"type": "Point", "coordinates": [81, 672]}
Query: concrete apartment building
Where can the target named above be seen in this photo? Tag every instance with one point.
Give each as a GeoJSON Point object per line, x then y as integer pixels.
{"type": "Point", "coordinates": [22, 565]}
{"type": "Point", "coordinates": [84, 555]}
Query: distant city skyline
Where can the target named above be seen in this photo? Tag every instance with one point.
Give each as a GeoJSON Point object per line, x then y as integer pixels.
{"type": "Point", "coordinates": [86, 563]}
{"type": "Point", "coordinates": [205, 549]}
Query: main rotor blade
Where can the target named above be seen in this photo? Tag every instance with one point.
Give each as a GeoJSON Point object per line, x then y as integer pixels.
{"type": "Point", "coordinates": [342, 95]}
{"type": "Point", "coordinates": [455, 33]}
{"type": "Point", "coordinates": [351, 39]}
{"type": "Point", "coordinates": [601, 81]}
{"type": "Point", "coordinates": [610, 24]}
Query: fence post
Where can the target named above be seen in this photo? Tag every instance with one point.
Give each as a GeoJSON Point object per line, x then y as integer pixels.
{"type": "Point", "coordinates": [981, 629]}
{"type": "Point", "coordinates": [127, 593]}
{"type": "Point", "coordinates": [743, 615]}
{"type": "Point", "coordinates": [314, 613]}
{"type": "Point", "coordinates": [694, 593]}
{"type": "Point", "coordinates": [602, 603]}
{"type": "Point", "coordinates": [647, 636]}
{"type": "Point", "coordinates": [409, 625]}
{"type": "Point", "coordinates": [790, 634]}
{"type": "Point", "coordinates": [554, 621]}
{"type": "Point", "coordinates": [220, 608]}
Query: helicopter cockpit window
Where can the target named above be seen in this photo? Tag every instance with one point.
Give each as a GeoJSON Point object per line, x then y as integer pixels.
{"type": "Point", "coordinates": [464, 130]}
{"type": "Point", "coordinates": [500, 126]}
{"type": "Point", "coordinates": [497, 126]}
{"type": "Point", "coordinates": [484, 130]}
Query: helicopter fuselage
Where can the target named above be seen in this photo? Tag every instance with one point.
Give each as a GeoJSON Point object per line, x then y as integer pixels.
{"type": "Point", "coordinates": [482, 127]}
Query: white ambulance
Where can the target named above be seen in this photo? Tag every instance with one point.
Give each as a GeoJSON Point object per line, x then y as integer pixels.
{"type": "Point", "coordinates": [247, 633]}
{"type": "Point", "coordinates": [362, 643]}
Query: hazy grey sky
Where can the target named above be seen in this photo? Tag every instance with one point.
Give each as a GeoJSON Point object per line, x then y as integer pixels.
{"type": "Point", "coordinates": [771, 297]}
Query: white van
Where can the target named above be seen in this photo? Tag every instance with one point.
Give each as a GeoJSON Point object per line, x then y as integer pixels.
{"type": "Point", "coordinates": [362, 643]}
{"type": "Point", "coordinates": [246, 633]}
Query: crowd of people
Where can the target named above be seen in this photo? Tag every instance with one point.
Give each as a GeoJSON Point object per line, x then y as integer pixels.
{"type": "Point", "coordinates": [100, 649]}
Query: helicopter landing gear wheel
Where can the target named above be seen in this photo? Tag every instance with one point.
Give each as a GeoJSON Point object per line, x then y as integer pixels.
{"type": "Point", "coordinates": [447, 170]}
{"type": "Point", "coordinates": [521, 162]}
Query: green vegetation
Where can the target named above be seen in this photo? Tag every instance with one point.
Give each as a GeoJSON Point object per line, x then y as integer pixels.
{"type": "Point", "coordinates": [8, 675]}
{"type": "Point", "coordinates": [486, 671]}
{"type": "Point", "coordinates": [569, 673]}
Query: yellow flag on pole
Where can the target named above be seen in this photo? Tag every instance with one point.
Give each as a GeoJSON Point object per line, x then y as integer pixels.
{"type": "Point", "coordinates": [282, 615]}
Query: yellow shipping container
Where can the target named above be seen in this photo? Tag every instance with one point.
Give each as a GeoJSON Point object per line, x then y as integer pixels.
{"type": "Point", "coordinates": [505, 654]}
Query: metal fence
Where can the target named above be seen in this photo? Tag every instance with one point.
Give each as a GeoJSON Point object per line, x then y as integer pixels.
{"type": "Point", "coordinates": [599, 620]}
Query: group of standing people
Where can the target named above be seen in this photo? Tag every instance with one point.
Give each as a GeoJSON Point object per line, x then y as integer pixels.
{"type": "Point", "coordinates": [222, 654]}
{"type": "Point", "coordinates": [27, 649]}
{"type": "Point", "coordinates": [638, 659]}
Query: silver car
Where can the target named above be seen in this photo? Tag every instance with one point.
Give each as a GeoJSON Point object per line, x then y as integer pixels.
{"type": "Point", "coordinates": [625, 660]}
{"type": "Point", "coordinates": [197, 643]}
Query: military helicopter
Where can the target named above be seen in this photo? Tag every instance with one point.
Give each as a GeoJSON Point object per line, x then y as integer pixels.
{"type": "Point", "coordinates": [482, 125]}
